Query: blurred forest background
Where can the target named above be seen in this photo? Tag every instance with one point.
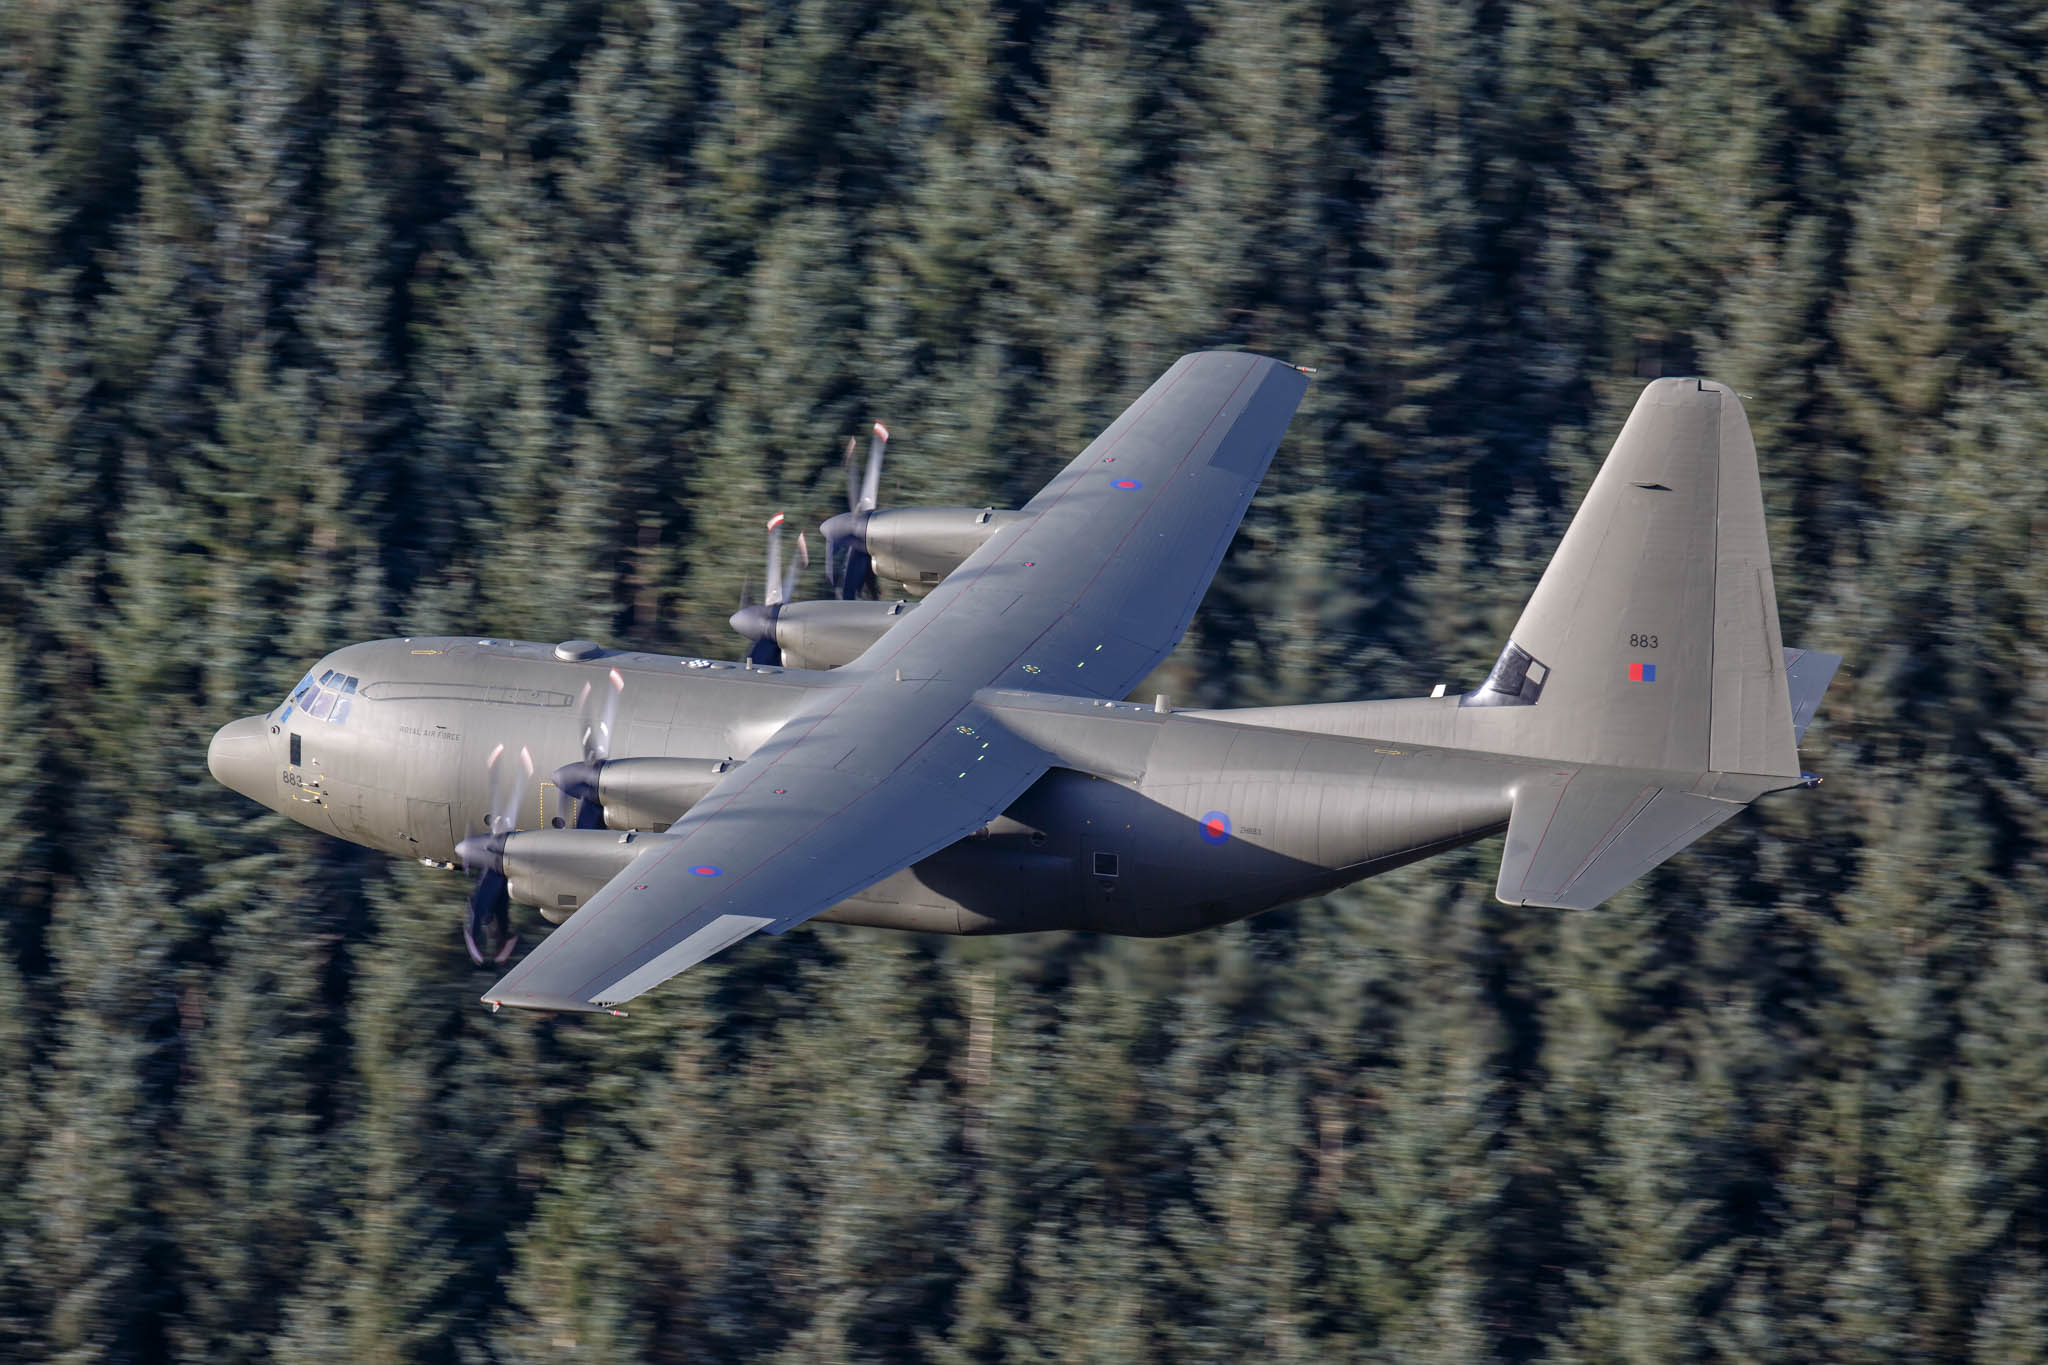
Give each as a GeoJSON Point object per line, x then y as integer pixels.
{"type": "Point", "coordinates": [323, 320]}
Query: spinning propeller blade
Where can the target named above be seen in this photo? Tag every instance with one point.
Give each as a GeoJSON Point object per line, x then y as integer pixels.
{"type": "Point", "coordinates": [757, 623]}
{"type": "Point", "coordinates": [847, 563]}
{"type": "Point", "coordinates": [803, 554]}
{"type": "Point", "coordinates": [487, 927]}
{"type": "Point", "coordinates": [871, 485]}
{"type": "Point", "coordinates": [600, 707]}
{"type": "Point", "coordinates": [773, 581]}
{"type": "Point", "coordinates": [853, 480]}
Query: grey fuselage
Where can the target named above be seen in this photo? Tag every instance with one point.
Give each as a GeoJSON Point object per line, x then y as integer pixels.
{"type": "Point", "coordinates": [1165, 822]}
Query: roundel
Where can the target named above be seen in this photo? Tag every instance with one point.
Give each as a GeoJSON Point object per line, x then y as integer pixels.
{"type": "Point", "coordinates": [1126, 484]}
{"type": "Point", "coordinates": [1216, 828]}
{"type": "Point", "coordinates": [704, 870]}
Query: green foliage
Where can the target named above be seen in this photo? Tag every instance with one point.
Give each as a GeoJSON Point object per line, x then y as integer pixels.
{"type": "Point", "coordinates": [328, 319]}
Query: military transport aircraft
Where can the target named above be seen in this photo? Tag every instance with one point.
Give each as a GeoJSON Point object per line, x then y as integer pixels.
{"type": "Point", "coordinates": [968, 764]}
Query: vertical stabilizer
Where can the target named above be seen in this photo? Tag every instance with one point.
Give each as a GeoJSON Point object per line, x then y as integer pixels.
{"type": "Point", "coordinates": [1652, 639]}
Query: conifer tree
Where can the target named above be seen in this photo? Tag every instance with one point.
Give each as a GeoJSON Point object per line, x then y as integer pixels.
{"type": "Point", "coordinates": [1649, 1243]}
{"type": "Point", "coordinates": [2009, 1328]}
{"type": "Point", "coordinates": [1399, 328]}
{"type": "Point", "coordinates": [573, 1293]}
{"type": "Point", "coordinates": [96, 1245]}
{"type": "Point", "coordinates": [1079, 241]}
{"type": "Point", "coordinates": [20, 1127]}
{"type": "Point", "coordinates": [1238, 1242]}
{"type": "Point", "coordinates": [252, 1173]}
{"type": "Point", "coordinates": [1416, 1204]}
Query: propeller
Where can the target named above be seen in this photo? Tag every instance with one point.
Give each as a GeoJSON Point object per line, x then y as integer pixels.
{"type": "Point", "coordinates": [600, 708]}
{"type": "Point", "coordinates": [755, 621]}
{"type": "Point", "coordinates": [847, 563]}
{"type": "Point", "coordinates": [488, 925]}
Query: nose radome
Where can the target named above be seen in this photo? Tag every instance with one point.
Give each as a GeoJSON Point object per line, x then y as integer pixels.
{"type": "Point", "coordinates": [239, 757]}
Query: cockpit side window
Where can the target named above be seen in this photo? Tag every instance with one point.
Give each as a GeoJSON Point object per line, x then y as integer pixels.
{"type": "Point", "coordinates": [297, 698]}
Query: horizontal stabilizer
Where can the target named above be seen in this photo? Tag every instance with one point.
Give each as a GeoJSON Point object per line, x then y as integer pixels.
{"type": "Point", "coordinates": [1578, 838]}
{"type": "Point", "coordinates": [1808, 673]}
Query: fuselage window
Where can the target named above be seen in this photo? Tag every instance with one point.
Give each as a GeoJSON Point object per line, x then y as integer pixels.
{"type": "Point", "coordinates": [322, 703]}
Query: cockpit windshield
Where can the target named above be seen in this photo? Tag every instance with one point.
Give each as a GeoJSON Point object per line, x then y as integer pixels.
{"type": "Point", "coordinates": [327, 697]}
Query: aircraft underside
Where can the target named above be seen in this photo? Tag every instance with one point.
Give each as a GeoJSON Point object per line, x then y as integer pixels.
{"type": "Point", "coordinates": [1080, 852]}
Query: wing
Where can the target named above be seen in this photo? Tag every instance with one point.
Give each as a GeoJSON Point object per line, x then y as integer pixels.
{"type": "Point", "coordinates": [1089, 592]}
{"type": "Point", "coordinates": [807, 821]}
{"type": "Point", "coordinates": [897, 759]}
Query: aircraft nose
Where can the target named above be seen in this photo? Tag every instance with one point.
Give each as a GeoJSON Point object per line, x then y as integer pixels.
{"type": "Point", "coordinates": [239, 757]}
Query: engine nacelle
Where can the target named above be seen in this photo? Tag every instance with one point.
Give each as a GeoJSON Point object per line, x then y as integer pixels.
{"type": "Point", "coordinates": [919, 546]}
{"type": "Point", "coordinates": [826, 634]}
{"type": "Point", "coordinates": [556, 870]}
{"type": "Point", "coordinates": [654, 793]}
